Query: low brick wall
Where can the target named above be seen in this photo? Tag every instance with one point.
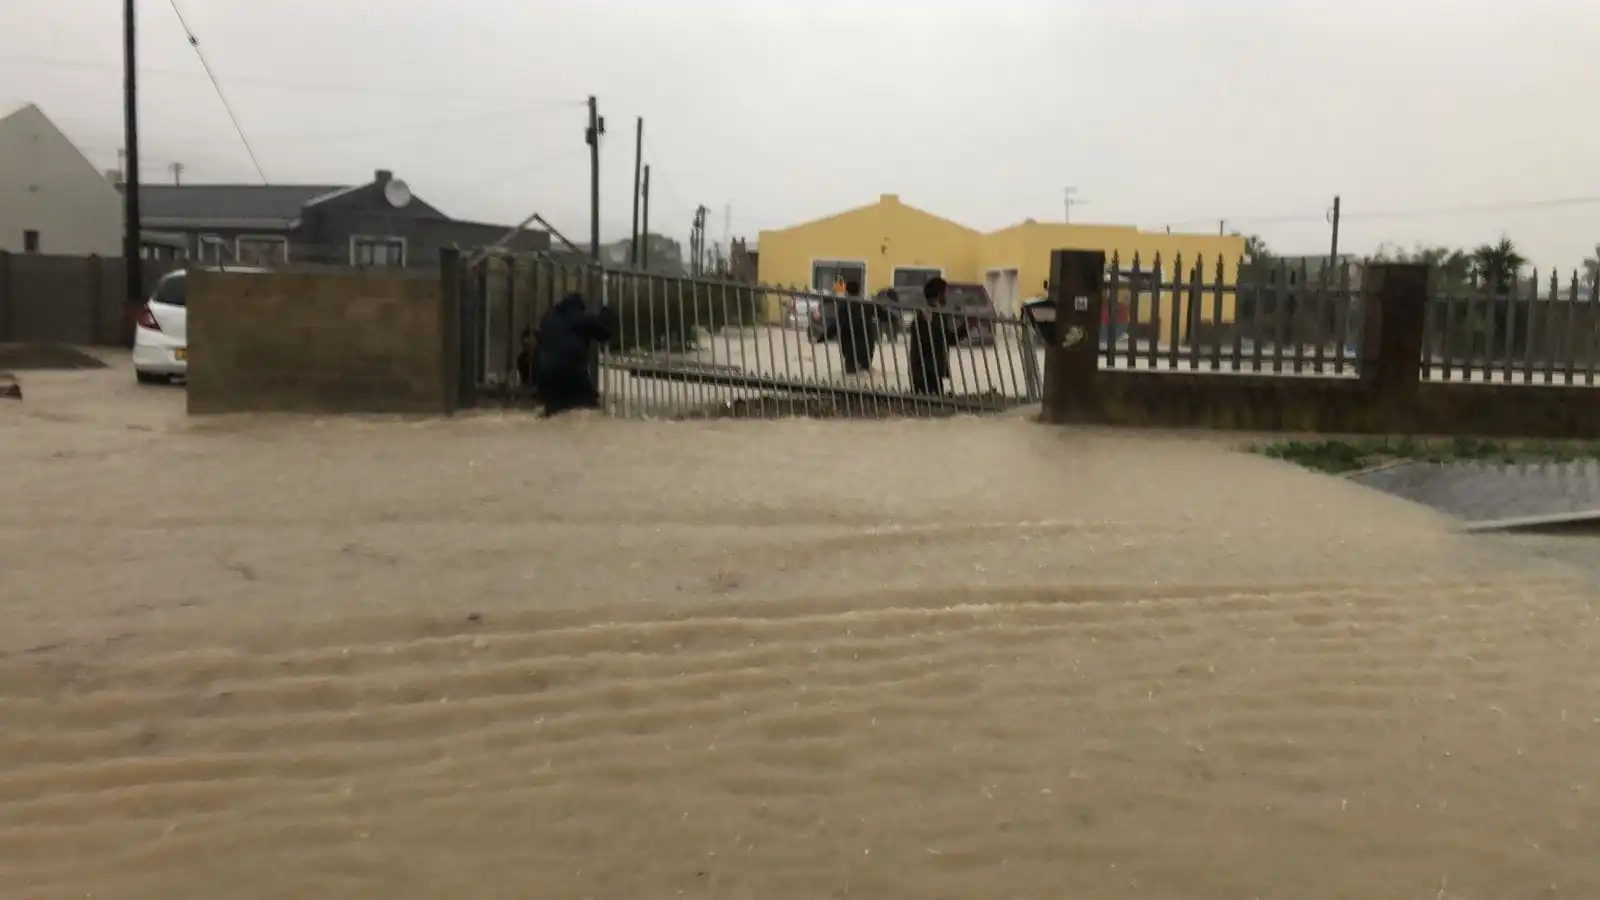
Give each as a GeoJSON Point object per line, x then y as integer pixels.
{"type": "Point", "coordinates": [361, 341]}
{"type": "Point", "coordinates": [1333, 406]}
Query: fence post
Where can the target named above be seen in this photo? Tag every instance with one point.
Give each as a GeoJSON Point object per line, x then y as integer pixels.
{"type": "Point", "coordinates": [1395, 297]}
{"type": "Point", "coordinates": [1072, 358]}
{"type": "Point", "coordinates": [7, 316]}
{"type": "Point", "coordinates": [454, 365]}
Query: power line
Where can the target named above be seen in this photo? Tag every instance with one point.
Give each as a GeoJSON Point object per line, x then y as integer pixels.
{"type": "Point", "coordinates": [332, 135]}
{"type": "Point", "coordinates": [221, 95]}
{"type": "Point", "coordinates": [1346, 215]}
{"type": "Point", "coordinates": [276, 83]}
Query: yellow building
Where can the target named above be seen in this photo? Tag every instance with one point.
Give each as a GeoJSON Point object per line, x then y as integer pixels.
{"type": "Point", "coordinates": [891, 244]}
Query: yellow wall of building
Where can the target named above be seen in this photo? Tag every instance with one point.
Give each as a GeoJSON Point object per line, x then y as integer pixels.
{"type": "Point", "coordinates": [889, 233]}
{"type": "Point", "coordinates": [883, 236]}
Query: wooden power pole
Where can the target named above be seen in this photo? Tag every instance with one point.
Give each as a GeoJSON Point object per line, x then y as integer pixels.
{"type": "Point", "coordinates": [597, 127]}
{"type": "Point", "coordinates": [130, 172]}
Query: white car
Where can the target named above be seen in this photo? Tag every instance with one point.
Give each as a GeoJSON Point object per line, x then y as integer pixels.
{"type": "Point", "coordinates": [161, 332]}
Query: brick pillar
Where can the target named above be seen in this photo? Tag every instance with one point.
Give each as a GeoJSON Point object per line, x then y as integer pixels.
{"type": "Point", "coordinates": [1071, 361]}
{"type": "Point", "coordinates": [1394, 299]}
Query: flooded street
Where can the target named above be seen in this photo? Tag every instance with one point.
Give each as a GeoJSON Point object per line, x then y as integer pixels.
{"type": "Point", "coordinates": [499, 657]}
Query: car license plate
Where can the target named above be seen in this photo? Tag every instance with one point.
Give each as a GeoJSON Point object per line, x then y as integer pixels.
{"type": "Point", "coordinates": [180, 355]}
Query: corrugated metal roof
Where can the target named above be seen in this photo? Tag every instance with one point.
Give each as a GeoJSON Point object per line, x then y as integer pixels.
{"type": "Point", "coordinates": [168, 202]}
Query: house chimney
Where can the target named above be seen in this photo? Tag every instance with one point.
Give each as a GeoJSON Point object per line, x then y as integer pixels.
{"type": "Point", "coordinates": [382, 177]}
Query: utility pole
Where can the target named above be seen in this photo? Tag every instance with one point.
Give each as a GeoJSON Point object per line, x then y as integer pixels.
{"type": "Point", "coordinates": [1333, 216]}
{"type": "Point", "coordinates": [697, 241]}
{"type": "Point", "coordinates": [638, 163]}
{"type": "Point", "coordinates": [1222, 226]}
{"type": "Point", "coordinates": [1066, 194]}
{"type": "Point", "coordinates": [130, 172]}
{"type": "Point", "coordinates": [644, 223]}
{"type": "Point", "coordinates": [597, 127]}
{"type": "Point", "coordinates": [177, 173]}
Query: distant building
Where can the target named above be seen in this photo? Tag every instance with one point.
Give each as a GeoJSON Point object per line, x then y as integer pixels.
{"type": "Point", "coordinates": [379, 223]}
{"type": "Point", "coordinates": [52, 198]}
{"type": "Point", "coordinates": [893, 244]}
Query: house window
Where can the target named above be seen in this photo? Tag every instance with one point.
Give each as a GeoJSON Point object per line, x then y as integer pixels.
{"type": "Point", "coordinates": [828, 274]}
{"type": "Point", "coordinates": [377, 251]}
{"type": "Point", "coordinates": [912, 278]}
{"type": "Point", "coordinates": [214, 250]}
{"type": "Point", "coordinates": [261, 250]}
{"type": "Point", "coordinates": [30, 241]}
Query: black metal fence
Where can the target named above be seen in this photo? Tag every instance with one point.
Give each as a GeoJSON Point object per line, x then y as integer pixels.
{"type": "Point", "coordinates": [686, 347]}
{"type": "Point", "coordinates": [1188, 316]}
{"type": "Point", "coordinates": [1544, 333]}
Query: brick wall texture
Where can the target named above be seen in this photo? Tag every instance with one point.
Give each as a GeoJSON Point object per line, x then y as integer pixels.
{"type": "Point", "coordinates": [357, 342]}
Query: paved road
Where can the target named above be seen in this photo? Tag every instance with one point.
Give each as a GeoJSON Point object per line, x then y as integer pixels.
{"type": "Point", "coordinates": [1478, 492]}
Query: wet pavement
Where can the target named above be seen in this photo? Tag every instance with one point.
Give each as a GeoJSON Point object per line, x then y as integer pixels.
{"type": "Point", "coordinates": [1479, 493]}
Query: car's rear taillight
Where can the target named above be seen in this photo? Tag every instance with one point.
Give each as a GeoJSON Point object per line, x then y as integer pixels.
{"type": "Point", "coordinates": [147, 319]}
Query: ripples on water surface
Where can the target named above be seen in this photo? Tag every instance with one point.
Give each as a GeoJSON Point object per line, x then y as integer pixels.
{"type": "Point", "coordinates": [502, 658]}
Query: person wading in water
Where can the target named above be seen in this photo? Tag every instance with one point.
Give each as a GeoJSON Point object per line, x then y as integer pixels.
{"type": "Point", "coordinates": [933, 332]}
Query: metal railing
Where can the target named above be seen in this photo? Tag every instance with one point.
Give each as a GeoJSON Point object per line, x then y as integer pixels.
{"type": "Point", "coordinates": [697, 348]}
{"type": "Point", "coordinates": [1536, 333]}
{"type": "Point", "coordinates": [1280, 318]}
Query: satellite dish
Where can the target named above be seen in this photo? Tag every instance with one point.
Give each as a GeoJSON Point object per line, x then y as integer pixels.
{"type": "Point", "coordinates": [397, 193]}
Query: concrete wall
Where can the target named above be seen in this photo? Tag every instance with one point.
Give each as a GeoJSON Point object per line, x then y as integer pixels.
{"type": "Point", "coordinates": [68, 299]}
{"type": "Point", "coordinates": [322, 342]}
{"type": "Point", "coordinates": [48, 186]}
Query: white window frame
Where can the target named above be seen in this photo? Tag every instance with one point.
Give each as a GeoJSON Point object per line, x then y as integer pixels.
{"type": "Point", "coordinates": [358, 239]}
{"type": "Point", "coordinates": [218, 243]}
{"type": "Point", "coordinates": [938, 270]}
{"type": "Point", "coordinates": [811, 274]}
{"type": "Point", "coordinates": [278, 239]}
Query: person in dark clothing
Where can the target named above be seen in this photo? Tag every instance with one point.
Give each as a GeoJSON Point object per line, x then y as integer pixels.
{"type": "Point", "coordinates": [932, 333]}
{"type": "Point", "coordinates": [567, 334]}
{"type": "Point", "coordinates": [852, 326]}
{"type": "Point", "coordinates": [528, 359]}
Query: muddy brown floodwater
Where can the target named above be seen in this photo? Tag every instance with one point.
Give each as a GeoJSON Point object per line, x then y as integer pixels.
{"type": "Point", "coordinates": [496, 657]}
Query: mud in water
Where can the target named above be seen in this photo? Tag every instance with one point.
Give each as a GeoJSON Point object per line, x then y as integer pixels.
{"type": "Point", "coordinates": [498, 657]}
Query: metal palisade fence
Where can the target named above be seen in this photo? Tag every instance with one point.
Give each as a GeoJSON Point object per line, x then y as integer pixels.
{"type": "Point", "coordinates": [1533, 332]}
{"type": "Point", "coordinates": [1187, 315]}
{"type": "Point", "coordinates": [687, 347]}
{"type": "Point", "coordinates": [1302, 318]}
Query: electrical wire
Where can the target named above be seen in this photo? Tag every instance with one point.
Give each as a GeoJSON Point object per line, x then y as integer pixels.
{"type": "Point", "coordinates": [221, 95]}
{"type": "Point", "coordinates": [275, 83]}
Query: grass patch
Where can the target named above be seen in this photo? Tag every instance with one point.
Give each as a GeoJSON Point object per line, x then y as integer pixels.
{"type": "Point", "coordinates": [1339, 455]}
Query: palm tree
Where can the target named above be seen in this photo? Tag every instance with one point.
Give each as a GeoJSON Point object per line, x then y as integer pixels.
{"type": "Point", "coordinates": [1496, 266]}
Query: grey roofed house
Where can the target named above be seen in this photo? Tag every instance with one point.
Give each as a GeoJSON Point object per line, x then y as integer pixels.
{"type": "Point", "coordinates": [377, 223]}
{"type": "Point", "coordinates": [275, 205]}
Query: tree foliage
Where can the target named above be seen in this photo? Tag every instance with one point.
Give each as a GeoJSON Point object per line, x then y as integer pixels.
{"type": "Point", "coordinates": [1497, 266]}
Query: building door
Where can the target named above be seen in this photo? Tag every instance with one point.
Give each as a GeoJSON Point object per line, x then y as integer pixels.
{"type": "Point", "coordinates": [1002, 287]}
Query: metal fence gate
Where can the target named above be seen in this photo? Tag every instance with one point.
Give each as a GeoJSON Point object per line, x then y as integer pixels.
{"type": "Point", "coordinates": [688, 347]}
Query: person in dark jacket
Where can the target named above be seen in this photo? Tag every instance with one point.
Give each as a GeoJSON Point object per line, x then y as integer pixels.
{"type": "Point", "coordinates": [567, 334]}
{"type": "Point", "coordinates": [855, 330]}
{"type": "Point", "coordinates": [528, 359]}
{"type": "Point", "coordinates": [932, 333]}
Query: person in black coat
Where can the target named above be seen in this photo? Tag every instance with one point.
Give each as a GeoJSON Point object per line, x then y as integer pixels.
{"type": "Point", "coordinates": [857, 331]}
{"type": "Point", "coordinates": [932, 333]}
{"type": "Point", "coordinates": [567, 334]}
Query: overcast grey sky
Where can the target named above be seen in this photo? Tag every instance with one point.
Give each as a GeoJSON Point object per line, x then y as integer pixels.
{"type": "Point", "coordinates": [1158, 111]}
